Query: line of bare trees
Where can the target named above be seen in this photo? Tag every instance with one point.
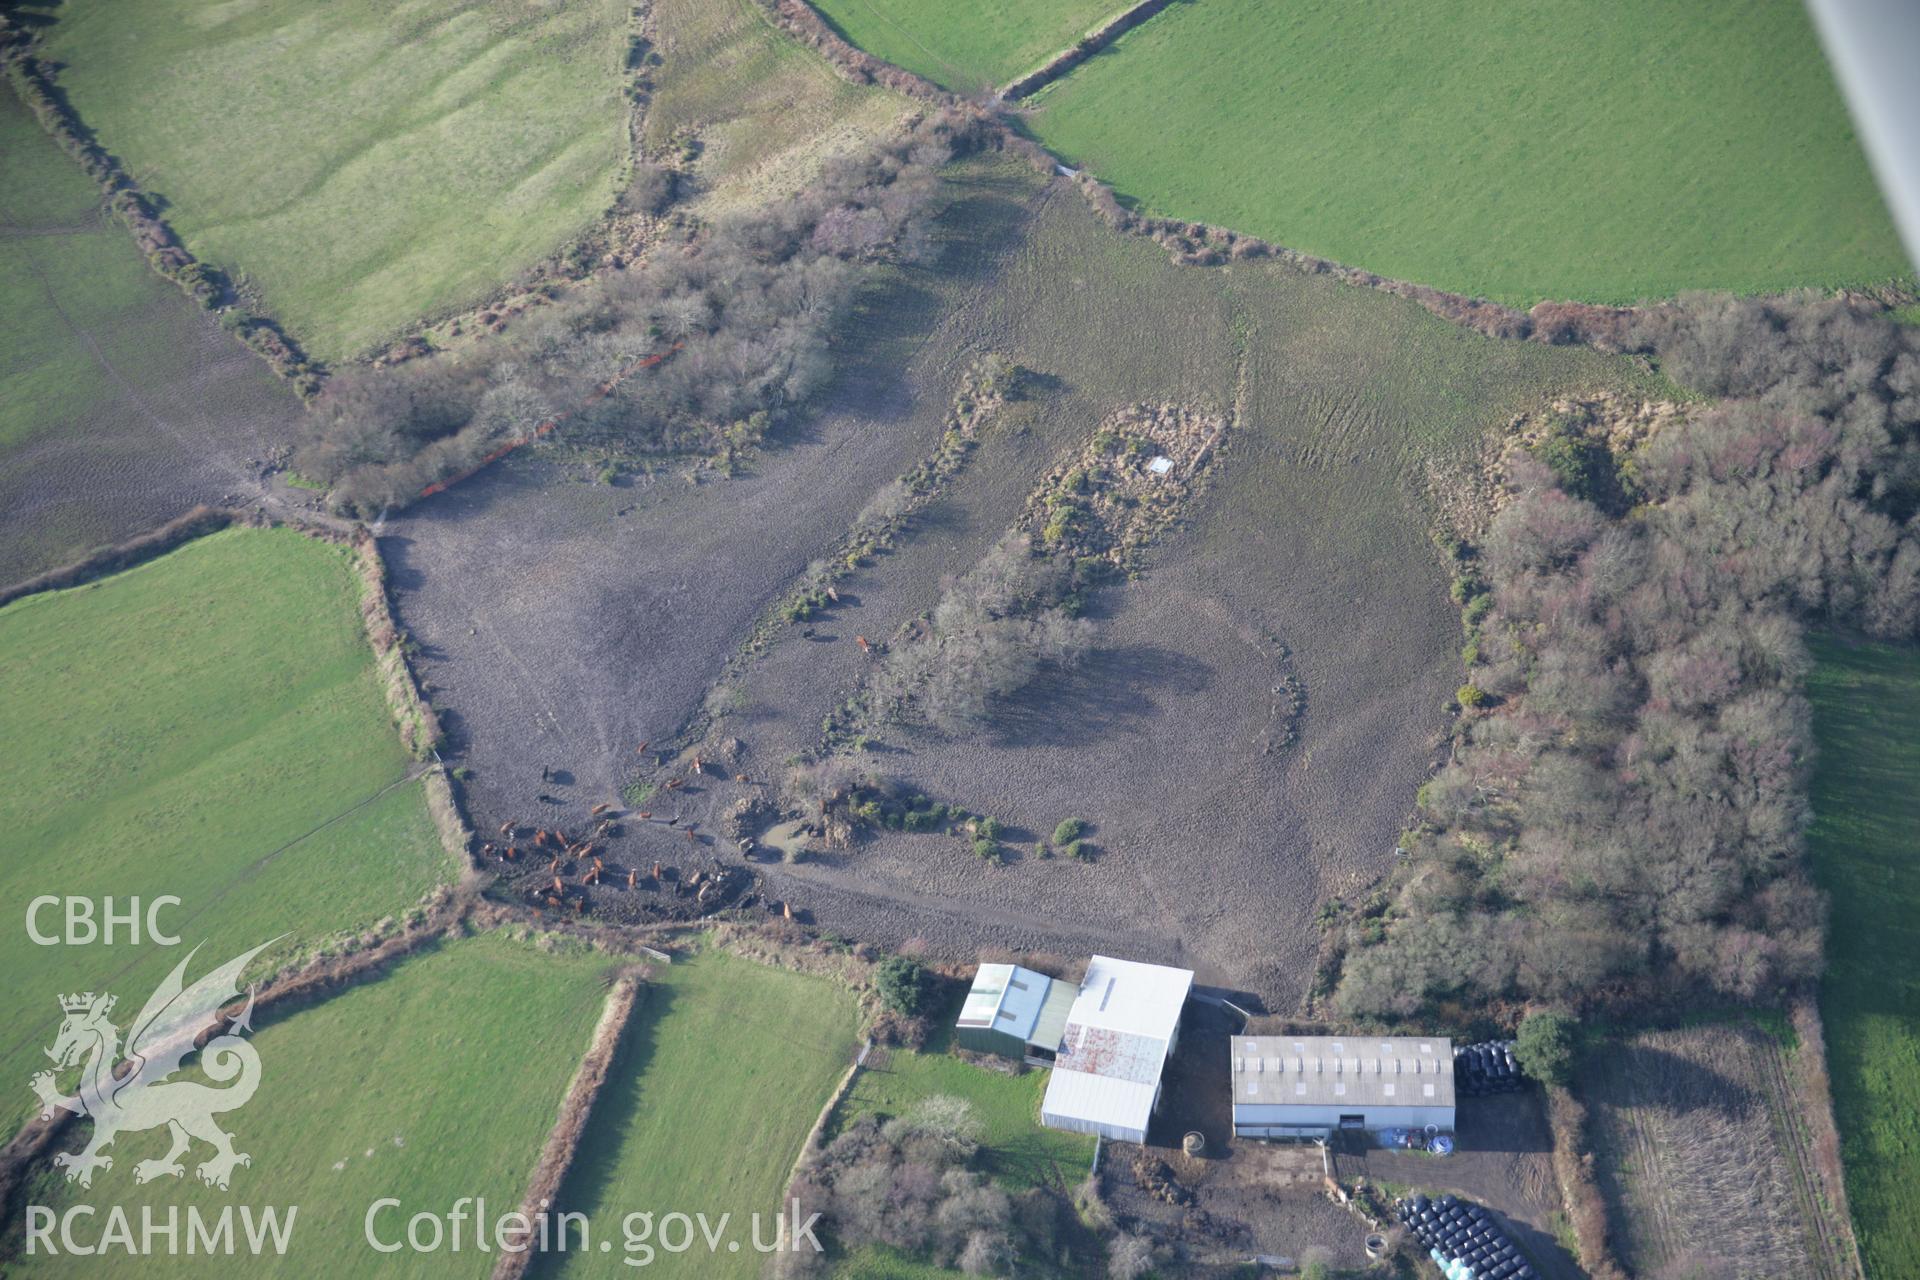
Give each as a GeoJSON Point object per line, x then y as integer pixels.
{"type": "Point", "coordinates": [746, 304]}
{"type": "Point", "coordinates": [1622, 820]}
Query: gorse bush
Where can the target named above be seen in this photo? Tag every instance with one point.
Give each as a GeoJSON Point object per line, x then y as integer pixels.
{"type": "Point", "coordinates": [904, 985]}
{"type": "Point", "coordinates": [1545, 1044]}
{"type": "Point", "coordinates": [1623, 823]}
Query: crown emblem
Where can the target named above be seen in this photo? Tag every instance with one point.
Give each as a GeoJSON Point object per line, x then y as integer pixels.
{"type": "Point", "coordinates": [84, 1001]}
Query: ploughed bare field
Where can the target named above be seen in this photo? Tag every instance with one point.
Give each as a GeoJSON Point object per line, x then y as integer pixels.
{"type": "Point", "coordinates": [565, 622]}
{"type": "Point", "coordinates": [1701, 1158]}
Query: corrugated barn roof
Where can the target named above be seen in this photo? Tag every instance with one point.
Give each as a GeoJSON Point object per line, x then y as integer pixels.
{"type": "Point", "coordinates": [1362, 1072]}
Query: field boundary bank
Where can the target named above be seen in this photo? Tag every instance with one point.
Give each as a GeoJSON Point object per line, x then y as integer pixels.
{"type": "Point", "coordinates": [130, 554]}
{"type": "Point", "coordinates": [1580, 1194]}
{"type": "Point", "coordinates": [576, 1108]}
{"type": "Point", "coordinates": [810, 1145]}
{"type": "Point", "coordinates": [283, 995]}
{"type": "Point", "coordinates": [1082, 49]}
{"type": "Point", "coordinates": [419, 725]}
{"type": "Point", "coordinates": [810, 27]}
{"type": "Point", "coordinates": [34, 84]}
{"type": "Point", "coordinates": [1808, 1083]}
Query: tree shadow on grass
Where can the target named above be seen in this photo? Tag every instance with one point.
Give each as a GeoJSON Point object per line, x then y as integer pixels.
{"type": "Point", "coordinates": [1109, 690]}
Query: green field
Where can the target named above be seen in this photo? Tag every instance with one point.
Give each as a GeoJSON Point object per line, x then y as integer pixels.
{"type": "Point", "coordinates": [968, 48]}
{"type": "Point", "coordinates": [721, 1075]}
{"type": "Point", "coordinates": [1866, 802]}
{"type": "Point", "coordinates": [1014, 1149]}
{"type": "Point", "coordinates": [208, 725]}
{"type": "Point", "coordinates": [440, 1080]}
{"type": "Point", "coordinates": [1608, 152]}
{"type": "Point", "coordinates": [360, 164]}
{"type": "Point", "coordinates": [767, 110]}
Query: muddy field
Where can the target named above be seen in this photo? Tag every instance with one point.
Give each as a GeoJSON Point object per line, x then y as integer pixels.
{"type": "Point", "coordinates": [1703, 1160]}
{"type": "Point", "coordinates": [142, 455]}
{"type": "Point", "coordinates": [564, 623]}
{"type": "Point", "coordinates": [122, 404]}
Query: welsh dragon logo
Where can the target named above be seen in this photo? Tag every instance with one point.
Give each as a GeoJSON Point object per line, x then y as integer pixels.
{"type": "Point", "coordinates": [125, 1092]}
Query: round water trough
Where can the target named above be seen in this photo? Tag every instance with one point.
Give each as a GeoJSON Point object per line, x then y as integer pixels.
{"type": "Point", "coordinates": [1376, 1245]}
{"type": "Point", "coordinates": [1195, 1143]}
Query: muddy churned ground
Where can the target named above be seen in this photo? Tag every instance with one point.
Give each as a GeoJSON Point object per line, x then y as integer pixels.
{"type": "Point", "coordinates": [564, 623]}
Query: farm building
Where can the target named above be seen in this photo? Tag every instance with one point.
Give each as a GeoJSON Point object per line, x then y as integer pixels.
{"type": "Point", "coordinates": [1015, 1013]}
{"type": "Point", "coordinates": [1120, 1031]}
{"type": "Point", "coordinates": [1308, 1086]}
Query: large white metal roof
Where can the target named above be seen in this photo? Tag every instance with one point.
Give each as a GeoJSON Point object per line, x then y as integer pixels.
{"type": "Point", "coordinates": [1116, 1041]}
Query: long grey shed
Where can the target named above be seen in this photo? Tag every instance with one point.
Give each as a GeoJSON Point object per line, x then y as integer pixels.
{"type": "Point", "coordinates": [1308, 1086]}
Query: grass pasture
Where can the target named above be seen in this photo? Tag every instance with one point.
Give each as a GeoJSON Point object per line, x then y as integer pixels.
{"type": "Point", "coordinates": [968, 48]}
{"type": "Point", "coordinates": [1866, 804]}
{"type": "Point", "coordinates": [766, 110]}
{"type": "Point", "coordinates": [1700, 1155]}
{"type": "Point", "coordinates": [207, 725]}
{"type": "Point", "coordinates": [358, 165]}
{"type": "Point", "coordinates": [721, 1074]}
{"type": "Point", "coordinates": [1602, 152]}
{"type": "Point", "coordinates": [437, 1081]}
